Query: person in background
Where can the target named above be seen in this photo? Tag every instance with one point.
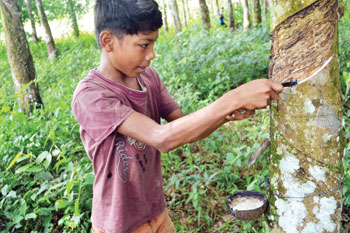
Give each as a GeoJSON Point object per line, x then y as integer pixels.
{"type": "Point", "coordinates": [221, 17]}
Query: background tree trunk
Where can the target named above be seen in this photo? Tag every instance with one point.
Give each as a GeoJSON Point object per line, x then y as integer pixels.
{"type": "Point", "coordinates": [246, 17]}
{"type": "Point", "coordinates": [230, 15]}
{"type": "Point", "coordinates": [174, 11]}
{"type": "Point", "coordinates": [205, 14]}
{"type": "Point", "coordinates": [165, 17]}
{"type": "Point", "coordinates": [73, 18]}
{"type": "Point", "coordinates": [266, 6]}
{"type": "Point", "coordinates": [188, 10]}
{"type": "Point", "coordinates": [50, 43]}
{"type": "Point", "coordinates": [32, 21]}
{"type": "Point", "coordinates": [20, 58]}
{"type": "Point", "coordinates": [184, 12]}
{"type": "Point", "coordinates": [256, 12]}
{"type": "Point", "coordinates": [306, 140]}
{"type": "Point", "coordinates": [217, 7]}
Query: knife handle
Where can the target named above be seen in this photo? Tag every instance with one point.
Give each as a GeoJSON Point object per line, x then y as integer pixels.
{"type": "Point", "coordinates": [292, 83]}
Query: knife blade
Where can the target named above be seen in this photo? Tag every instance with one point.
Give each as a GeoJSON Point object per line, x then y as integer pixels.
{"type": "Point", "coordinates": [264, 145]}
{"type": "Point", "coordinates": [295, 82]}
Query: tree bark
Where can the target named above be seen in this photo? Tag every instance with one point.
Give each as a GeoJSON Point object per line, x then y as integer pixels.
{"type": "Point", "coordinates": [20, 58]}
{"type": "Point", "coordinates": [165, 17]}
{"type": "Point", "coordinates": [204, 14]}
{"type": "Point", "coordinates": [50, 43]}
{"type": "Point", "coordinates": [73, 18]}
{"type": "Point", "coordinates": [306, 123]}
{"type": "Point", "coordinates": [246, 18]}
{"type": "Point", "coordinates": [32, 21]}
{"type": "Point", "coordinates": [256, 12]}
{"type": "Point", "coordinates": [174, 11]}
{"type": "Point", "coordinates": [230, 15]}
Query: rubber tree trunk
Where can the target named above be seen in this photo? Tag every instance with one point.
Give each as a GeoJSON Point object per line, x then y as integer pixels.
{"type": "Point", "coordinates": [204, 14]}
{"type": "Point", "coordinates": [165, 17]}
{"type": "Point", "coordinates": [306, 140]}
{"type": "Point", "coordinates": [32, 21]}
{"type": "Point", "coordinates": [174, 12]}
{"type": "Point", "coordinates": [50, 43]}
{"type": "Point", "coordinates": [256, 12]}
{"type": "Point", "coordinates": [184, 12]}
{"type": "Point", "coordinates": [246, 17]}
{"type": "Point", "coordinates": [230, 16]}
{"type": "Point", "coordinates": [73, 18]}
{"type": "Point", "coordinates": [20, 58]}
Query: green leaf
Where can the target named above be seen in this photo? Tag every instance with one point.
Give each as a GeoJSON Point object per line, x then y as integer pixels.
{"type": "Point", "coordinates": [4, 190]}
{"type": "Point", "coordinates": [42, 156]}
{"type": "Point", "coordinates": [24, 168]}
{"type": "Point", "coordinates": [89, 179]}
{"type": "Point", "coordinates": [61, 203]}
{"type": "Point", "coordinates": [76, 208]}
{"type": "Point", "coordinates": [44, 176]}
{"type": "Point", "coordinates": [14, 160]}
{"type": "Point", "coordinates": [5, 109]}
{"type": "Point", "coordinates": [69, 185]}
{"type": "Point", "coordinates": [47, 161]}
{"type": "Point", "coordinates": [30, 216]}
{"type": "Point", "coordinates": [71, 224]}
{"type": "Point", "coordinates": [251, 185]}
{"type": "Point", "coordinates": [23, 208]}
{"type": "Point", "coordinates": [34, 169]}
{"type": "Point", "coordinates": [56, 152]}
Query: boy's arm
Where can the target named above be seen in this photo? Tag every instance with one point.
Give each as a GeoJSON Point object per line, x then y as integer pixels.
{"type": "Point", "coordinates": [235, 116]}
{"type": "Point", "coordinates": [197, 125]}
{"type": "Point", "coordinates": [174, 115]}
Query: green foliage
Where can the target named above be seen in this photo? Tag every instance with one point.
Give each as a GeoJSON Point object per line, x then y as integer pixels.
{"type": "Point", "coordinates": [211, 66]}
{"type": "Point", "coordinates": [46, 177]}
{"type": "Point", "coordinates": [54, 9]}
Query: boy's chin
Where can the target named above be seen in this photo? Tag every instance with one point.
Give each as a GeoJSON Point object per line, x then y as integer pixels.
{"type": "Point", "coordinates": [136, 74]}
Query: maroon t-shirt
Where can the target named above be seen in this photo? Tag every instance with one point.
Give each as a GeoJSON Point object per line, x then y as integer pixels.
{"type": "Point", "coordinates": [128, 187]}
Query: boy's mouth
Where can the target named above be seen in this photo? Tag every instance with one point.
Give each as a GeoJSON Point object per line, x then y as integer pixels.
{"type": "Point", "coordinates": [141, 68]}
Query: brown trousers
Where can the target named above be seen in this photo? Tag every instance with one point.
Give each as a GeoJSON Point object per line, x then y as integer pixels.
{"type": "Point", "coordinates": [160, 224]}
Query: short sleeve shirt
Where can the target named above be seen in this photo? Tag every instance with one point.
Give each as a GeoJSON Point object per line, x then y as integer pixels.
{"type": "Point", "coordinates": [128, 187]}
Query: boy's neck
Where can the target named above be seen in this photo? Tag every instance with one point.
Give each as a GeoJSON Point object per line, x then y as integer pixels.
{"type": "Point", "coordinates": [117, 76]}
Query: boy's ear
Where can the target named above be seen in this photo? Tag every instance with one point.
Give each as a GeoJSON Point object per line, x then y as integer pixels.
{"type": "Point", "coordinates": [106, 40]}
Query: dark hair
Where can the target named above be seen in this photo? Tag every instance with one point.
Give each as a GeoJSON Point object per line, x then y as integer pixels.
{"type": "Point", "coordinates": [128, 17]}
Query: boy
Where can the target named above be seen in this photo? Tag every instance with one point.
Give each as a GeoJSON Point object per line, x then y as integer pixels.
{"type": "Point", "coordinates": [119, 106]}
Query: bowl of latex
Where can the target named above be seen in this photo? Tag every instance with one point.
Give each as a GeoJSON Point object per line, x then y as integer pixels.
{"type": "Point", "coordinates": [247, 205]}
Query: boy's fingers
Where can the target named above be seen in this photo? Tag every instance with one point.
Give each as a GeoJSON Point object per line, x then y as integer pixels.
{"type": "Point", "coordinates": [274, 95]}
{"type": "Point", "coordinates": [230, 117]}
{"type": "Point", "coordinates": [277, 87]}
{"type": "Point", "coordinates": [248, 113]}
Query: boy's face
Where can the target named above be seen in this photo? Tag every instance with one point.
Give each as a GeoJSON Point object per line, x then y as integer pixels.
{"type": "Point", "coordinates": [133, 53]}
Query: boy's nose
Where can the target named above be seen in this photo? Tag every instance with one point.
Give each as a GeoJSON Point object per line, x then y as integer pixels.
{"type": "Point", "coordinates": [151, 55]}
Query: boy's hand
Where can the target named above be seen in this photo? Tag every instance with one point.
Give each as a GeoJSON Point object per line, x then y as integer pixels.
{"type": "Point", "coordinates": [240, 115]}
{"type": "Point", "coordinates": [257, 94]}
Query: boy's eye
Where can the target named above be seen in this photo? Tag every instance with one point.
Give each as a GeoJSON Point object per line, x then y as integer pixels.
{"type": "Point", "coordinates": [144, 46]}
